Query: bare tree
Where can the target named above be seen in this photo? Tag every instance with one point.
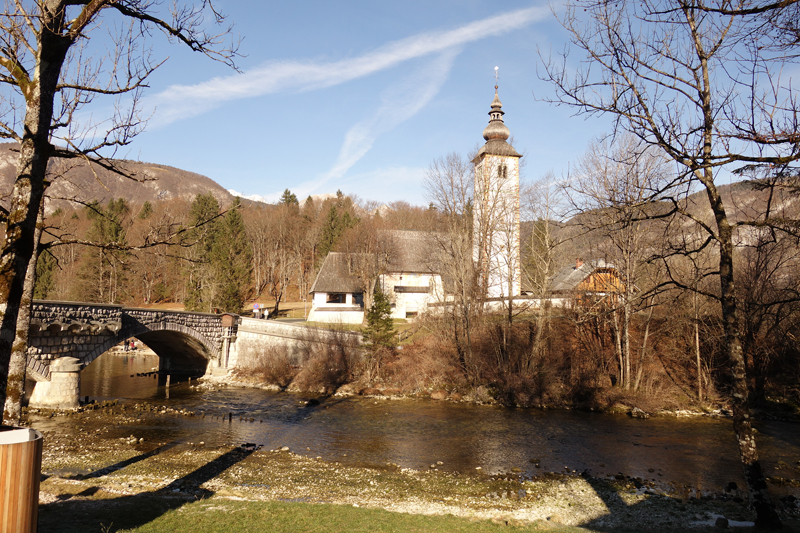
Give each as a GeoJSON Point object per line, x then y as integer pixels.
{"type": "Point", "coordinates": [540, 203]}
{"type": "Point", "coordinates": [610, 195]}
{"type": "Point", "coordinates": [51, 69]}
{"type": "Point", "coordinates": [705, 88]}
{"type": "Point", "coordinates": [449, 186]}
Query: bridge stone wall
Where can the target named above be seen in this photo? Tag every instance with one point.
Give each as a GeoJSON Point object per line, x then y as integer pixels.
{"type": "Point", "coordinates": [62, 329]}
{"type": "Point", "coordinates": [86, 331]}
{"type": "Point", "coordinates": [258, 335]}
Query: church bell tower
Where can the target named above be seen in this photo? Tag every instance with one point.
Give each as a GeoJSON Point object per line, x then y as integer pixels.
{"type": "Point", "coordinates": [496, 244]}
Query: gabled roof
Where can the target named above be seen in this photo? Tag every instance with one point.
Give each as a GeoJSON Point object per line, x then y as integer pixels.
{"type": "Point", "coordinates": [336, 274]}
{"type": "Point", "coordinates": [568, 278]}
{"type": "Point", "coordinates": [406, 252]}
{"type": "Point", "coordinates": [411, 251]}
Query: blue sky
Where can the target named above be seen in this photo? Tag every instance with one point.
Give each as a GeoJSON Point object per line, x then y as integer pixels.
{"type": "Point", "coordinates": [359, 96]}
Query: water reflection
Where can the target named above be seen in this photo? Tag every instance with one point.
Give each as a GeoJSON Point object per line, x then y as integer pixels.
{"type": "Point", "coordinates": [114, 375]}
{"type": "Point", "coordinates": [416, 434]}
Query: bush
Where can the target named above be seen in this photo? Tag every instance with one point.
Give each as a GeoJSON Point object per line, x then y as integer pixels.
{"type": "Point", "coordinates": [272, 364]}
{"type": "Point", "coordinates": [331, 362]}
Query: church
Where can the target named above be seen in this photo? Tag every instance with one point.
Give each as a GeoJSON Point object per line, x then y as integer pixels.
{"type": "Point", "coordinates": [412, 276]}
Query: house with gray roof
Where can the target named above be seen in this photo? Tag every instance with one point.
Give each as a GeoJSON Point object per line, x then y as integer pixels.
{"type": "Point", "coordinates": [337, 295]}
{"type": "Point", "coordinates": [407, 270]}
{"type": "Point", "coordinates": [585, 281]}
{"type": "Point", "coordinates": [412, 279]}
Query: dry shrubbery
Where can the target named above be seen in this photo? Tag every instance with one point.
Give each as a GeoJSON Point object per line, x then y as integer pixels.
{"type": "Point", "coordinates": [271, 364]}
{"type": "Point", "coordinates": [329, 367]}
{"type": "Point", "coordinates": [570, 361]}
{"type": "Point", "coordinates": [428, 363]}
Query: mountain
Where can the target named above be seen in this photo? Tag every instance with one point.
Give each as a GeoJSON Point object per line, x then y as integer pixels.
{"type": "Point", "coordinates": [80, 181]}
{"type": "Point", "coordinates": [743, 202]}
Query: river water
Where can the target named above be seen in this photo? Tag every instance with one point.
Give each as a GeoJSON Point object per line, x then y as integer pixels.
{"type": "Point", "coordinates": [695, 452]}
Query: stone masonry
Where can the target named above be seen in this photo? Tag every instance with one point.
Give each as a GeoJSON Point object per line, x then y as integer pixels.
{"type": "Point", "coordinates": [85, 331]}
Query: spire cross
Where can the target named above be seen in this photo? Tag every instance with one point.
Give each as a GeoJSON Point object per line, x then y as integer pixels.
{"type": "Point", "coordinates": [495, 76]}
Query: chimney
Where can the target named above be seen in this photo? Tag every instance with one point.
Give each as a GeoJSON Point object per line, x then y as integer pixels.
{"type": "Point", "coordinates": [578, 263]}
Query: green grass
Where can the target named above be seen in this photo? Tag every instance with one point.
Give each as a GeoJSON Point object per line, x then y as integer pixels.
{"type": "Point", "coordinates": [218, 516]}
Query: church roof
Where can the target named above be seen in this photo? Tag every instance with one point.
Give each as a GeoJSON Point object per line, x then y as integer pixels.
{"type": "Point", "coordinates": [412, 251]}
{"type": "Point", "coordinates": [496, 133]}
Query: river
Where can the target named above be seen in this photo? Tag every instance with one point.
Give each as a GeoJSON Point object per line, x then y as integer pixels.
{"type": "Point", "coordinates": [695, 452]}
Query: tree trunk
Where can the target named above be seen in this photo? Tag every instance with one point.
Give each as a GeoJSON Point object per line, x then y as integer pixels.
{"type": "Point", "coordinates": [626, 340]}
{"type": "Point", "coordinates": [697, 347]}
{"type": "Point", "coordinates": [766, 516]}
{"type": "Point", "coordinates": [618, 348]}
{"type": "Point", "coordinates": [15, 390]}
{"type": "Point", "coordinates": [28, 190]}
{"type": "Point", "coordinates": [640, 366]}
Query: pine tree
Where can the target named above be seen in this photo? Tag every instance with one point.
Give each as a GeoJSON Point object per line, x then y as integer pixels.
{"type": "Point", "coordinates": [379, 332]}
{"type": "Point", "coordinates": [105, 264]}
{"type": "Point", "coordinates": [45, 275]}
{"type": "Point", "coordinates": [288, 198]}
{"type": "Point", "coordinates": [200, 281]}
{"type": "Point", "coordinates": [147, 210]}
{"type": "Point", "coordinates": [331, 231]}
{"type": "Point", "coordinates": [232, 261]}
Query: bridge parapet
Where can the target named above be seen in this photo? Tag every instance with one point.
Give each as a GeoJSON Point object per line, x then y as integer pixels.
{"type": "Point", "coordinates": [57, 317]}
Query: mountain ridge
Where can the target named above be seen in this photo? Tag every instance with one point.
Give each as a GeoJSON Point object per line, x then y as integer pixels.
{"type": "Point", "coordinates": [75, 181]}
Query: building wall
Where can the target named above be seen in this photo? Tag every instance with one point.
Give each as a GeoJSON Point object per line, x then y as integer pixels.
{"type": "Point", "coordinates": [411, 293]}
{"type": "Point", "coordinates": [350, 312]}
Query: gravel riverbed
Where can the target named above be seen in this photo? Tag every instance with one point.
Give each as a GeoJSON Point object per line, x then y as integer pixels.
{"type": "Point", "coordinates": [80, 464]}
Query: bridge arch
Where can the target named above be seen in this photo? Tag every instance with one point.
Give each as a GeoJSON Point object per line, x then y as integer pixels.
{"type": "Point", "coordinates": [189, 342]}
{"type": "Point", "coordinates": [180, 348]}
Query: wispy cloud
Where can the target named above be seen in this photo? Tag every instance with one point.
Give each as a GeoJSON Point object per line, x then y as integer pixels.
{"type": "Point", "coordinates": [183, 101]}
{"type": "Point", "coordinates": [398, 104]}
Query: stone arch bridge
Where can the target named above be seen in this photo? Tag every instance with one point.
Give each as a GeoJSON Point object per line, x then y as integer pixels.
{"type": "Point", "coordinates": [66, 336]}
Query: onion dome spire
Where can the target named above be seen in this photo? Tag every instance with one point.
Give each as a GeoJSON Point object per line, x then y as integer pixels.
{"type": "Point", "coordinates": [496, 133]}
{"type": "Point", "coordinates": [496, 128]}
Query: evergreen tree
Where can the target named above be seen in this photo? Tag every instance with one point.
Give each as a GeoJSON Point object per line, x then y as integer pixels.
{"type": "Point", "coordinates": [379, 332]}
{"type": "Point", "coordinates": [288, 198]}
{"type": "Point", "coordinates": [200, 279]}
{"type": "Point", "coordinates": [45, 275]}
{"type": "Point", "coordinates": [104, 266]}
{"type": "Point", "coordinates": [146, 211]}
{"type": "Point", "coordinates": [231, 261]}
{"type": "Point", "coordinates": [331, 231]}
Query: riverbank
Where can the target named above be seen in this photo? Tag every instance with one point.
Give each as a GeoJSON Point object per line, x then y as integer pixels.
{"type": "Point", "coordinates": [134, 483]}
{"type": "Point", "coordinates": [623, 403]}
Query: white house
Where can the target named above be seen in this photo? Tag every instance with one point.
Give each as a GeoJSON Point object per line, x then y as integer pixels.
{"type": "Point", "coordinates": [337, 293]}
{"type": "Point", "coordinates": [408, 276]}
{"type": "Point", "coordinates": [412, 280]}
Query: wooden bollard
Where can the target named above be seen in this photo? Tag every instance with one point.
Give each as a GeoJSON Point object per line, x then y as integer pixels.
{"type": "Point", "coordinates": [20, 471]}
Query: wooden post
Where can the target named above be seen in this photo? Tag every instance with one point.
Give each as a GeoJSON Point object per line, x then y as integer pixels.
{"type": "Point", "coordinates": [20, 469]}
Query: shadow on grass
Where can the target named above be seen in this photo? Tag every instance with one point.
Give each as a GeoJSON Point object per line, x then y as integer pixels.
{"type": "Point", "coordinates": [128, 512]}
